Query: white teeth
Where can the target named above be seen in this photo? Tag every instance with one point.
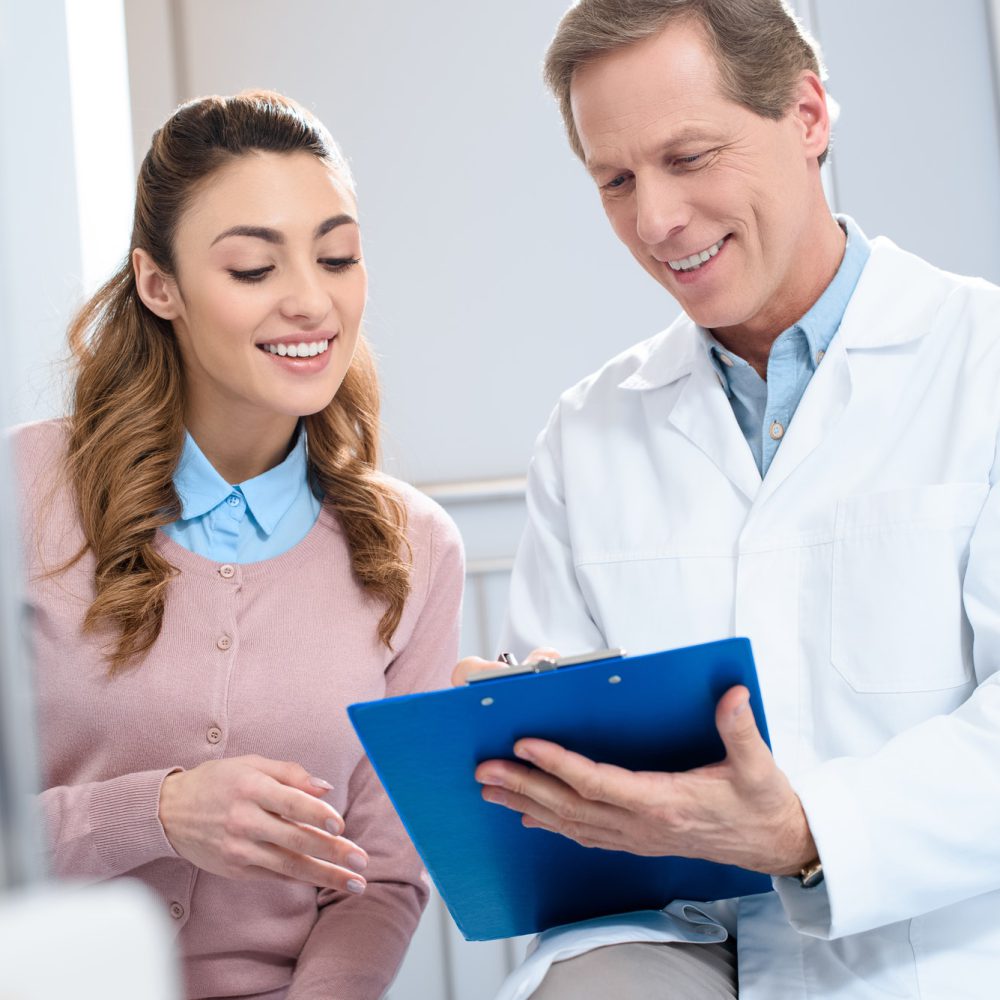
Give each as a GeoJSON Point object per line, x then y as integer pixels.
{"type": "Point", "coordinates": [301, 350]}
{"type": "Point", "coordinates": [696, 259]}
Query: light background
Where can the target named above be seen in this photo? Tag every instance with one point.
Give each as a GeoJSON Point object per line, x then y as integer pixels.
{"type": "Point", "coordinates": [495, 280]}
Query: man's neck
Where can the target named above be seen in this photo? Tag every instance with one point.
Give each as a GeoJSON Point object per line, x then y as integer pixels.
{"type": "Point", "coordinates": [753, 341]}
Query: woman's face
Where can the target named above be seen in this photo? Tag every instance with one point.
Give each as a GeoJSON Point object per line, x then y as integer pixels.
{"type": "Point", "coordinates": [270, 287]}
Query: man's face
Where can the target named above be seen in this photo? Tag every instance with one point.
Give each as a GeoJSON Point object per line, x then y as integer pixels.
{"type": "Point", "coordinates": [718, 204]}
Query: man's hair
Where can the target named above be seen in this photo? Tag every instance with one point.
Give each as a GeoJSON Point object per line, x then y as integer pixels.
{"type": "Point", "coordinates": [760, 47]}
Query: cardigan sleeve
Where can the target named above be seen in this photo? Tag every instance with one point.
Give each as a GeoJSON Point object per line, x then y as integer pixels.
{"type": "Point", "coordinates": [102, 829]}
{"type": "Point", "coordinates": [358, 942]}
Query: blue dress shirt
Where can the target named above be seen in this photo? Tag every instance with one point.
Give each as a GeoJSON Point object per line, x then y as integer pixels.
{"type": "Point", "coordinates": [256, 520]}
{"type": "Point", "coordinates": [765, 409]}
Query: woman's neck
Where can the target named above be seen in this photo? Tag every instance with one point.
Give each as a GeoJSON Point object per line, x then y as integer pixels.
{"type": "Point", "coordinates": [241, 448]}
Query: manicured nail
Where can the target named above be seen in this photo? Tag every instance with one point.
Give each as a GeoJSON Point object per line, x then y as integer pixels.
{"type": "Point", "coordinates": [357, 862]}
{"type": "Point", "coordinates": [334, 826]}
{"type": "Point", "coordinates": [320, 783]}
{"type": "Point", "coordinates": [356, 886]}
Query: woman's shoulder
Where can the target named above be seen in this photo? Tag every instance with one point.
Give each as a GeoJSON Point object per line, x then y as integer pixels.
{"type": "Point", "coordinates": [37, 450]}
{"type": "Point", "coordinates": [429, 527]}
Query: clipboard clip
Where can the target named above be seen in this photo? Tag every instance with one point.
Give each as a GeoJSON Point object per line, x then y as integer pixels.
{"type": "Point", "coordinates": [515, 669]}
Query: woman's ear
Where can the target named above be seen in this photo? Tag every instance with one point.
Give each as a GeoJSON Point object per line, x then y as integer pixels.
{"type": "Point", "coordinates": [158, 291]}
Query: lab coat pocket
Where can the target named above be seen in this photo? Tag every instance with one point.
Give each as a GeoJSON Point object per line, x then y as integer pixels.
{"type": "Point", "coordinates": [899, 558]}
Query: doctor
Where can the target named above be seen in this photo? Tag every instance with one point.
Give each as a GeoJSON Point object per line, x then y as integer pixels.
{"type": "Point", "coordinates": [808, 456]}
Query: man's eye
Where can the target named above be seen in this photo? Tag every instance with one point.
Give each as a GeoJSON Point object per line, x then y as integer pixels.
{"type": "Point", "coordinates": [616, 182]}
{"type": "Point", "coordinates": [257, 274]}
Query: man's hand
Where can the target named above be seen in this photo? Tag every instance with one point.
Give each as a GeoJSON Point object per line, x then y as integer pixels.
{"type": "Point", "coordinates": [741, 811]}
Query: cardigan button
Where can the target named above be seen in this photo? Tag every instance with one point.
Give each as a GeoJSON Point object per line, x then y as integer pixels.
{"type": "Point", "coordinates": [214, 734]}
{"type": "Point", "coordinates": [224, 642]}
{"type": "Point", "coordinates": [176, 911]}
{"type": "Point", "coordinates": [227, 572]}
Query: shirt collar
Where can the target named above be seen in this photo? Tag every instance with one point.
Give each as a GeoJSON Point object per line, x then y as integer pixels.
{"type": "Point", "coordinates": [823, 320]}
{"type": "Point", "coordinates": [268, 496]}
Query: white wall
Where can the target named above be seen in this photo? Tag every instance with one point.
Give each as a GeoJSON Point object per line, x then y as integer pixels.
{"type": "Point", "coordinates": [40, 263]}
{"type": "Point", "coordinates": [495, 281]}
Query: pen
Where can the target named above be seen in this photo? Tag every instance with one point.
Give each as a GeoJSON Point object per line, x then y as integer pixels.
{"type": "Point", "coordinates": [508, 658]}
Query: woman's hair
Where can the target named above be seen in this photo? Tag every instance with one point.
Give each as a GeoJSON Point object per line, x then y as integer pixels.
{"type": "Point", "coordinates": [760, 47]}
{"type": "Point", "coordinates": [126, 429]}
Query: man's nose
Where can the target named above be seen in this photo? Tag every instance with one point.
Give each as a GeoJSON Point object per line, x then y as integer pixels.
{"type": "Point", "coordinates": [661, 209]}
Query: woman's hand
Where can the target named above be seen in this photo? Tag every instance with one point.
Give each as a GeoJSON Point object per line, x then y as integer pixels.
{"type": "Point", "coordinates": [251, 818]}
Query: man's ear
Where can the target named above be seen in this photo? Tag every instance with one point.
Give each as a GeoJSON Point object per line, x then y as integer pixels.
{"type": "Point", "coordinates": [158, 291]}
{"type": "Point", "coordinates": [813, 115]}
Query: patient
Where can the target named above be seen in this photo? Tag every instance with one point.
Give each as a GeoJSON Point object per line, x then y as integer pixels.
{"type": "Point", "coordinates": [217, 569]}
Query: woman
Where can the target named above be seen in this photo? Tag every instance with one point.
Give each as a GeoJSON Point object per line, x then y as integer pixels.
{"type": "Point", "coordinates": [218, 570]}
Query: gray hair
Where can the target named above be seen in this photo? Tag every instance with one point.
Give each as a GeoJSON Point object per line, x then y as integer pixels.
{"type": "Point", "coordinates": [760, 46]}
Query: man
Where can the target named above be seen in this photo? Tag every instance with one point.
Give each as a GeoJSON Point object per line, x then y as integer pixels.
{"type": "Point", "coordinates": [807, 457]}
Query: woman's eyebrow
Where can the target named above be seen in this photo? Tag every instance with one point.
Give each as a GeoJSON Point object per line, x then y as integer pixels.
{"type": "Point", "coordinates": [269, 235]}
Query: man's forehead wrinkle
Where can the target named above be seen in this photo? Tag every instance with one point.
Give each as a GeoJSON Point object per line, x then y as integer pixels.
{"type": "Point", "coordinates": [643, 133]}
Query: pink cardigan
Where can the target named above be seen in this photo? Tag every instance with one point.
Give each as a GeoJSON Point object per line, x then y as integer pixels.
{"type": "Point", "coordinates": [260, 658]}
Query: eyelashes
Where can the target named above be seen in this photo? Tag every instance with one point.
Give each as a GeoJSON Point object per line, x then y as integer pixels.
{"type": "Point", "coordinates": [335, 265]}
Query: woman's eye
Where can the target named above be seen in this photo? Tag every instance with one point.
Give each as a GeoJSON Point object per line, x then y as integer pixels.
{"type": "Point", "coordinates": [339, 263]}
{"type": "Point", "coordinates": [257, 274]}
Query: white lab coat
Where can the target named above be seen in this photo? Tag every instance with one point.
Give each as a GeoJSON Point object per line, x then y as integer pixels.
{"type": "Point", "coordinates": [865, 568]}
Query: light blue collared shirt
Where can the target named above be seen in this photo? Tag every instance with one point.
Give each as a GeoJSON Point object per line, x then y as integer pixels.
{"type": "Point", "coordinates": [765, 409]}
{"type": "Point", "coordinates": [256, 520]}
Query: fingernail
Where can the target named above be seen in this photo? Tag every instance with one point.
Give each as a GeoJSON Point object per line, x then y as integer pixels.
{"type": "Point", "coordinates": [522, 753]}
{"type": "Point", "coordinates": [334, 826]}
{"type": "Point", "coordinates": [740, 709]}
{"type": "Point", "coordinates": [320, 783]}
{"type": "Point", "coordinates": [356, 886]}
{"type": "Point", "coordinates": [494, 796]}
{"type": "Point", "coordinates": [357, 862]}
{"type": "Point", "coordinates": [490, 778]}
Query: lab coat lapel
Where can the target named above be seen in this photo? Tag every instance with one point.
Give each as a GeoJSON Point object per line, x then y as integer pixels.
{"type": "Point", "coordinates": [704, 415]}
{"type": "Point", "coordinates": [821, 406]}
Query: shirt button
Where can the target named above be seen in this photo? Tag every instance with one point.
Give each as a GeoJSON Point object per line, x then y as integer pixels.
{"type": "Point", "coordinates": [176, 911]}
{"type": "Point", "coordinates": [233, 500]}
{"type": "Point", "coordinates": [777, 431]}
{"type": "Point", "coordinates": [820, 355]}
{"type": "Point", "coordinates": [227, 572]}
{"type": "Point", "coordinates": [214, 734]}
{"type": "Point", "coordinates": [726, 360]}
{"type": "Point", "coordinates": [223, 642]}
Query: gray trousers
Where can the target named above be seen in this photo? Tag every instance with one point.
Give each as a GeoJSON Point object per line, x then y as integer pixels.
{"type": "Point", "coordinates": [648, 971]}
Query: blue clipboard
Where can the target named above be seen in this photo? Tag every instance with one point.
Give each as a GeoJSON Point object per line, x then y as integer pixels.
{"type": "Point", "coordinates": [500, 879]}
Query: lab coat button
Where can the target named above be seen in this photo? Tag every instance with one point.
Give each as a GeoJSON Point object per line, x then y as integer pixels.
{"type": "Point", "coordinates": [223, 642]}
{"type": "Point", "coordinates": [227, 572]}
{"type": "Point", "coordinates": [176, 911]}
{"type": "Point", "coordinates": [214, 734]}
{"type": "Point", "coordinates": [777, 431]}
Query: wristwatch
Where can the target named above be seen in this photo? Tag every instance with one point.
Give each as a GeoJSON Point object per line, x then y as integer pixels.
{"type": "Point", "coordinates": [811, 875]}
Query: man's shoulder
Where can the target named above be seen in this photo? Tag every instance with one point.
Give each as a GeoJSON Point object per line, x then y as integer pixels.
{"type": "Point", "coordinates": [636, 365]}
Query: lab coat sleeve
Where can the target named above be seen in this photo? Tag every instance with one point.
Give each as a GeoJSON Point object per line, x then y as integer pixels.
{"type": "Point", "coordinates": [915, 827]}
{"type": "Point", "coordinates": [358, 942]}
{"type": "Point", "coordinates": [102, 829]}
{"type": "Point", "coordinates": [547, 606]}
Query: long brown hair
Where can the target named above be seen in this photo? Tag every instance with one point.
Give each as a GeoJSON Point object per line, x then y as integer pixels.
{"type": "Point", "coordinates": [126, 429]}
